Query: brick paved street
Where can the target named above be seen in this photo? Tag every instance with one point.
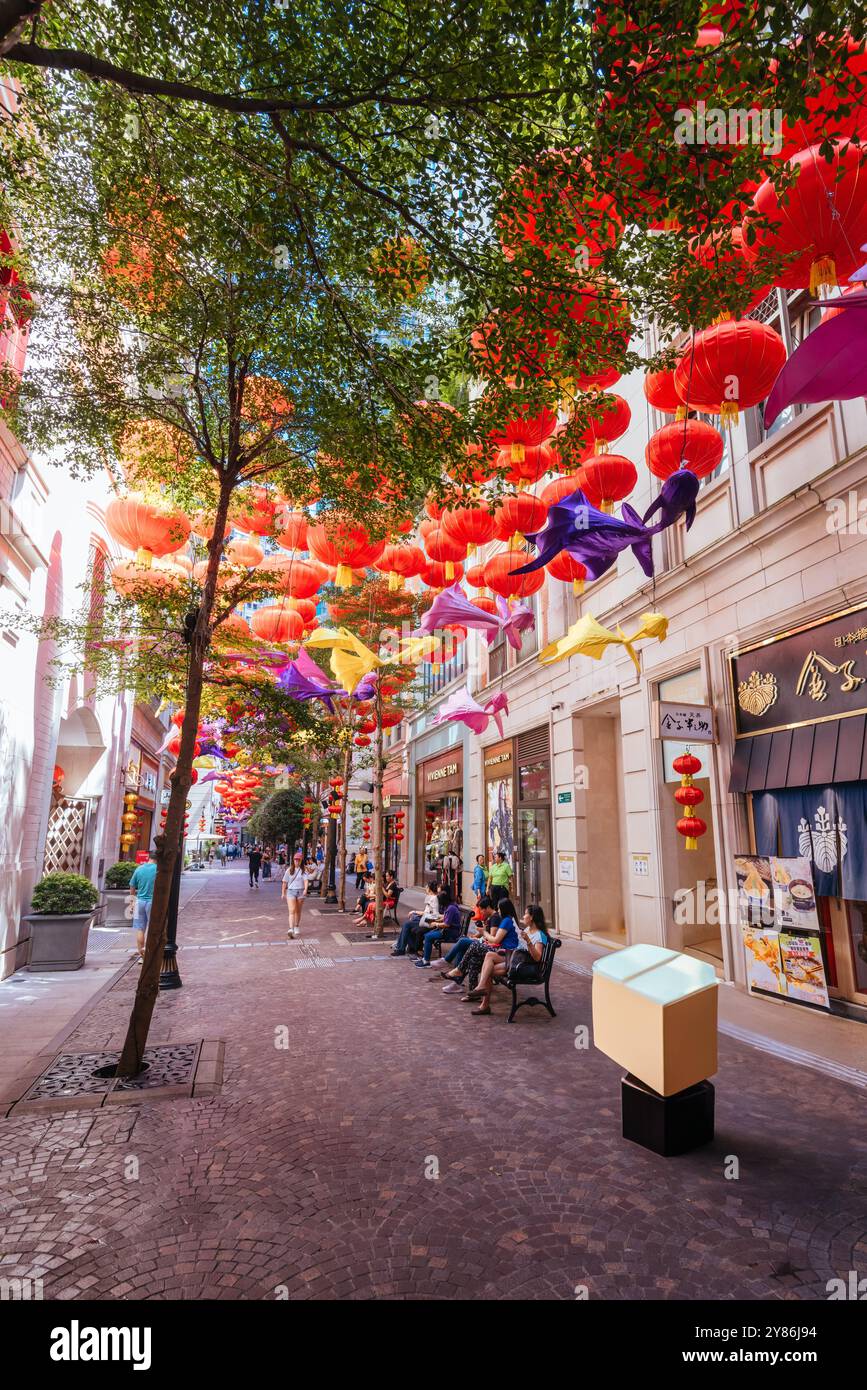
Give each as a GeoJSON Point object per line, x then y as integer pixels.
{"type": "Point", "coordinates": [306, 1175]}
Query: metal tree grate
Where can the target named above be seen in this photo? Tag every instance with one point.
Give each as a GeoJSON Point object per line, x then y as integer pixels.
{"type": "Point", "coordinates": [72, 1074]}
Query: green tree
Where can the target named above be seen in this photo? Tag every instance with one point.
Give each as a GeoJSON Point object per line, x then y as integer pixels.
{"type": "Point", "coordinates": [277, 818]}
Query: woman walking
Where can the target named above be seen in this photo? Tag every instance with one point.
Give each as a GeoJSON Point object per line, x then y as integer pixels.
{"type": "Point", "coordinates": [295, 884]}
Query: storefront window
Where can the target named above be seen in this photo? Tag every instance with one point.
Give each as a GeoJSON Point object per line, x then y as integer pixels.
{"type": "Point", "coordinates": [535, 781]}
{"type": "Point", "coordinates": [500, 816]}
{"type": "Point", "coordinates": [534, 858]}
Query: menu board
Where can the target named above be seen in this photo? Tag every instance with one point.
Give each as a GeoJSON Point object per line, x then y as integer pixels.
{"type": "Point", "coordinates": [794, 898]}
{"type": "Point", "coordinates": [755, 890]}
{"type": "Point", "coordinates": [804, 968]}
{"type": "Point", "coordinates": [764, 963]}
{"type": "Point", "coordinates": [782, 936]}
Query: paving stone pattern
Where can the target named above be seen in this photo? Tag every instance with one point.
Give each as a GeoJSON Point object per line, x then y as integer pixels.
{"type": "Point", "coordinates": [347, 1088]}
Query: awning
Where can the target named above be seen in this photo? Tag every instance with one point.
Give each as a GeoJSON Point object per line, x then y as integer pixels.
{"type": "Point", "coordinates": [812, 755]}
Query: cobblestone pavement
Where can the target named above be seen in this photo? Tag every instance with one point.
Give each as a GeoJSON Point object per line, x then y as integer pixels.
{"type": "Point", "coordinates": [349, 1082]}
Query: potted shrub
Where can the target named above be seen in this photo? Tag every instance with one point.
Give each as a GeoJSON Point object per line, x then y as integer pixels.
{"type": "Point", "coordinates": [63, 907]}
{"type": "Point", "coordinates": [117, 893]}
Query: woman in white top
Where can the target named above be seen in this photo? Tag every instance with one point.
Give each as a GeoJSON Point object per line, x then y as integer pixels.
{"type": "Point", "coordinates": [295, 885]}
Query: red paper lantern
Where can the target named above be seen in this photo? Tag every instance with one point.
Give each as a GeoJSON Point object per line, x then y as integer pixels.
{"type": "Point", "coordinates": [564, 566]}
{"type": "Point", "coordinates": [277, 622]}
{"type": "Point", "coordinates": [444, 550]}
{"type": "Point", "coordinates": [606, 478]}
{"type": "Point", "coordinates": [294, 576]}
{"type": "Point", "coordinates": [522, 514]}
{"type": "Point", "coordinates": [344, 545]}
{"type": "Point", "coordinates": [362, 741]}
{"type": "Point", "coordinates": [691, 444]}
{"type": "Point", "coordinates": [293, 531]}
{"type": "Point", "coordinates": [559, 488]}
{"type": "Point", "coordinates": [556, 206]}
{"type": "Point", "coordinates": [691, 827]}
{"type": "Point", "coordinates": [400, 562]}
{"type": "Point", "coordinates": [524, 431]}
{"type": "Point", "coordinates": [538, 460]}
{"type": "Point", "coordinates": [661, 392]}
{"type": "Point", "coordinates": [475, 576]}
{"type": "Point", "coordinates": [254, 511]}
{"type": "Point", "coordinates": [437, 573]}
{"type": "Point", "coordinates": [468, 526]}
{"type": "Point", "coordinates": [821, 220]}
{"type": "Point", "coordinates": [146, 526]}
{"type": "Point", "coordinates": [611, 419]}
{"type": "Point", "coordinates": [499, 577]}
{"type": "Point", "coordinates": [729, 367]}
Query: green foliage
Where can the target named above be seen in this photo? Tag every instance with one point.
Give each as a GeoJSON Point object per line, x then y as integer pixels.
{"type": "Point", "coordinates": [61, 894]}
{"type": "Point", "coordinates": [119, 874]}
{"type": "Point", "coordinates": [278, 817]}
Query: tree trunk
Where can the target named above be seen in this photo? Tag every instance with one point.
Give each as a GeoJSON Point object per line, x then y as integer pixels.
{"type": "Point", "coordinates": [328, 876]}
{"type": "Point", "coordinates": [347, 771]}
{"type": "Point", "coordinates": [378, 766]}
{"type": "Point", "coordinates": [168, 842]}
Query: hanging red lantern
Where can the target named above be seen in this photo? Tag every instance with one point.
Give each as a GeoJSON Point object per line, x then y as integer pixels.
{"type": "Point", "coordinates": [611, 419]}
{"type": "Point", "coordinates": [400, 562]}
{"type": "Point", "coordinates": [661, 392]}
{"type": "Point", "coordinates": [523, 514]}
{"type": "Point", "coordinates": [149, 528]}
{"type": "Point", "coordinates": [524, 431]}
{"type": "Point", "coordinates": [361, 741]}
{"type": "Point", "coordinates": [538, 460]}
{"type": "Point", "coordinates": [821, 220]}
{"type": "Point", "coordinates": [605, 479]}
{"type": "Point", "coordinates": [277, 622]}
{"type": "Point", "coordinates": [469, 525]}
{"type": "Point", "coordinates": [691, 827]}
{"type": "Point", "coordinates": [691, 444]}
{"type": "Point", "coordinates": [559, 488]}
{"type": "Point", "coordinates": [475, 576]}
{"type": "Point", "coordinates": [294, 576]}
{"type": "Point", "coordinates": [443, 549]}
{"type": "Point", "coordinates": [499, 577]}
{"type": "Point", "coordinates": [556, 206]}
{"type": "Point", "coordinates": [344, 545]}
{"type": "Point", "coordinates": [436, 573]}
{"type": "Point", "coordinates": [730, 366]}
{"type": "Point", "coordinates": [292, 532]}
{"type": "Point", "coordinates": [253, 511]}
{"type": "Point", "coordinates": [564, 566]}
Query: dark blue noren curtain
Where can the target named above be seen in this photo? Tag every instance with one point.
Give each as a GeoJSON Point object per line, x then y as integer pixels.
{"type": "Point", "coordinates": [827, 825]}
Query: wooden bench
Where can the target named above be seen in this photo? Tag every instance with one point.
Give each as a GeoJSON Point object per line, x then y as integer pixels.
{"type": "Point", "coordinates": [545, 966]}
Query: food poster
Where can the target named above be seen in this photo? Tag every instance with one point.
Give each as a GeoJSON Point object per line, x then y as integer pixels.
{"type": "Point", "coordinates": [755, 890]}
{"type": "Point", "coordinates": [794, 896]}
{"type": "Point", "coordinates": [764, 963]}
{"type": "Point", "coordinates": [804, 968]}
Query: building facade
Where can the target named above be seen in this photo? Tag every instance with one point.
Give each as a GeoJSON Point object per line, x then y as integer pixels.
{"type": "Point", "coordinates": [579, 790]}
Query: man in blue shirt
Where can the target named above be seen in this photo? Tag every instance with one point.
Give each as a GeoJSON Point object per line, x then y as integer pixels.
{"type": "Point", "coordinates": [141, 886]}
{"type": "Point", "coordinates": [449, 931]}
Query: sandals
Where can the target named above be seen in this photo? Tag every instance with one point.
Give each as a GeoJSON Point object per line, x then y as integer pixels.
{"type": "Point", "coordinates": [479, 1012]}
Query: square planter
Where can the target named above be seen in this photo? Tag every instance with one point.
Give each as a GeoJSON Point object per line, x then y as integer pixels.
{"type": "Point", "coordinates": [58, 942]}
{"type": "Point", "coordinates": [116, 900]}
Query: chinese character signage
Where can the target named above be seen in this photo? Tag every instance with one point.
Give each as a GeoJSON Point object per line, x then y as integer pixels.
{"type": "Point", "coordinates": [684, 723]}
{"type": "Point", "coordinates": [812, 673]}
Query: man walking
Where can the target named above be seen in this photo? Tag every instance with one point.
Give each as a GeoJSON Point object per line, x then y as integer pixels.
{"type": "Point", "coordinates": [255, 863]}
{"type": "Point", "coordinates": [141, 886]}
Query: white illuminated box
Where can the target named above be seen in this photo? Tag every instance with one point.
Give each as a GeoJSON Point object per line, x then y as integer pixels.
{"type": "Point", "coordinates": [655, 1013]}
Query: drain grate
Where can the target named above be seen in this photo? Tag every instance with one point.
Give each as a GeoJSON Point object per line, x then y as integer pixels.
{"type": "Point", "coordinates": [102, 939]}
{"type": "Point", "coordinates": [363, 936]}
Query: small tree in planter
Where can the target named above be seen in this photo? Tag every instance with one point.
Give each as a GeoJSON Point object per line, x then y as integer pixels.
{"type": "Point", "coordinates": [63, 906]}
{"type": "Point", "coordinates": [117, 881]}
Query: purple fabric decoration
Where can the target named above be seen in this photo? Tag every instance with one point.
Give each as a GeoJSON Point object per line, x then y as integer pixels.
{"type": "Point", "coordinates": [462, 707]}
{"type": "Point", "coordinates": [676, 498]}
{"type": "Point", "coordinates": [830, 364]}
{"type": "Point", "coordinates": [453, 606]}
{"type": "Point", "coordinates": [293, 683]}
{"type": "Point", "coordinates": [304, 663]}
{"type": "Point", "coordinates": [366, 689]}
{"type": "Point", "coordinates": [514, 621]}
{"type": "Point", "coordinates": [594, 537]}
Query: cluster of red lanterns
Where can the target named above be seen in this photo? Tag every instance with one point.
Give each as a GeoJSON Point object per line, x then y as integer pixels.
{"type": "Point", "coordinates": [335, 804]}
{"type": "Point", "coordinates": [687, 795]}
{"type": "Point", "coordinates": [365, 828]}
{"type": "Point", "coordinates": [398, 818]}
{"type": "Point", "coordinates": [307, 812]}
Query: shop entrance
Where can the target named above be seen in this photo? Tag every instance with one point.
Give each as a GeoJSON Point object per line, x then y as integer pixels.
{"type": "Point", "coordinates": [690, 882]}
{"type": "Point", "coordinates": [600, 810]}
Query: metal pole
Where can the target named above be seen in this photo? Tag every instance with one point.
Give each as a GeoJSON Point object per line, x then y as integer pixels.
{"type": "Point", "coordinates": [170, 976]}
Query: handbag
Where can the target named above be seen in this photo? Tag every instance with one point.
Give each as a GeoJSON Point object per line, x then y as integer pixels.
{"type": "Point", "coordinates": [129, 909]}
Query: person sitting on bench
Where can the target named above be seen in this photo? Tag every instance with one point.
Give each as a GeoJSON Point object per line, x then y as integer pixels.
{"type": "Point", "coordinates": [524, 962]}
{"type": "Point", "coordinates": [484, 918]}
{"type": "Point", "coordinates": [500, 935]}
{"type": "Point", "coordinates": [418, 922]}
{"type": "Point", "coordinates": [449, 931]}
